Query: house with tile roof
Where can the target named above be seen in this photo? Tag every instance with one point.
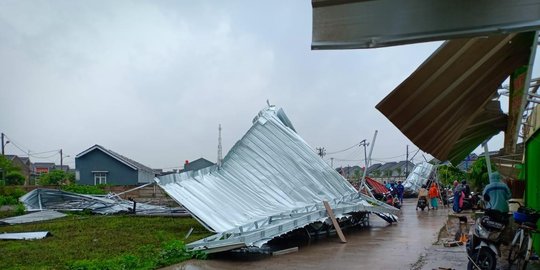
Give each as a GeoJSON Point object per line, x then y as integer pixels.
{"type": "Point", "coordinates": [99, 165]}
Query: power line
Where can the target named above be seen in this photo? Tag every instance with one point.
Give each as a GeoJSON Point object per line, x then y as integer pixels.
{"type": "Point", "coordinates": [348, 148]}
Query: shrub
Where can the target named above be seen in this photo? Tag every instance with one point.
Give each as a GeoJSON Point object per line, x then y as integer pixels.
{"type": "Point", "coordinates": [55, 177]}
{"type": "Point", "coordinates": [84, 189]}
{"type": "Point", "coordinates": [14, 178]}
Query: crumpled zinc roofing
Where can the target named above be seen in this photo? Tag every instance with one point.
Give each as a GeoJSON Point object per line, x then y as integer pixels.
{"type": "Point", "coordinates": [270, 172]}
{"type": "Point", "coordinates": [418, 177]}
{"type": "Point", "coordinates": [445, 107]}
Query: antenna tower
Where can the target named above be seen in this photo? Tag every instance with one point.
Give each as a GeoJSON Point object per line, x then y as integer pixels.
{"type": "Point", "coordinates": [219, 149]}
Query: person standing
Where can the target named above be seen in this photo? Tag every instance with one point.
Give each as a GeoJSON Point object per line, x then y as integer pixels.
{"type": "Point", "coordinates": [457, 195]}
{"type": "Point", "coordinates": [498, 192]}
{"type": "Point", "coordinates": [400, 190]}
{"type": "Point", "coordinates": [434, 196]}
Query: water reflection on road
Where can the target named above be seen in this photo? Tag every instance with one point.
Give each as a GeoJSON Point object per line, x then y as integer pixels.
{"type": "Point", "coordinates": [382, 246]}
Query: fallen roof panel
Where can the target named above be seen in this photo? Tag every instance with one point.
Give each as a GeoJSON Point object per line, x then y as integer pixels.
{"type": "Point", "coordinates": [445, 107]}
{"type": "Point", "coordinates": [23, 236]}
{"type": "Point", "coordinates": [269, 183]}
{"type": "Point", "coordinates": [33, 217]}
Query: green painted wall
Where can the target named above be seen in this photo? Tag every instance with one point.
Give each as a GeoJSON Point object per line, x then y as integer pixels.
{"type": "Point", "coordinates": [532, 167]}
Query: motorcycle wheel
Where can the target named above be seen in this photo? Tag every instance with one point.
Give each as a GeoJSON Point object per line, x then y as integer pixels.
{"type": "Point", "coordinates": [422, 207]}
{"type": "Point", "coordinates": [485, 259]}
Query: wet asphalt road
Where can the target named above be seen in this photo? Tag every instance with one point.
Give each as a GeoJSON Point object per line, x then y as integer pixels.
{"type": "Point", "coordinates": [382, 246]}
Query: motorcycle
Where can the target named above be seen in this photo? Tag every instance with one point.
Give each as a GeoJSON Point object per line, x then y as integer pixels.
{"type": "Point", "coordinates": [422, 203]}
{"type": "Point", "coordinates": [484, 245]}
{"type": "Point", "coordinates": [392, 200]}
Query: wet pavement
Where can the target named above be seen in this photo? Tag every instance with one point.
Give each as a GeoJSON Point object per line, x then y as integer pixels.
{"type": "Point", "coordinates": [382, 246]}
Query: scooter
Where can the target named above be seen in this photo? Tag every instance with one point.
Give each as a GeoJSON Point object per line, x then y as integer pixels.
{"type": "Point", "coordinates": [392, 200]}
{"type": "Point", "coordinates": [484, 245]}
{"type": "Point", "coordinates": [422, 203]}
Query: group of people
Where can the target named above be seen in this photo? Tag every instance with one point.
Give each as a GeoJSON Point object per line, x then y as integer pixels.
{"type": "Point", "coordinates": [433, 194]}
{"type": "Point", "coordinates": [396, 190]}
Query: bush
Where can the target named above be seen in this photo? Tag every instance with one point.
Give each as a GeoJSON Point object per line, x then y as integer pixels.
{"type": "Point", "coordinates": [84, 189]}
{"type": "Point", "coordinates": [10, 195]}
{"type": "Point", "coordinates": [55, 177]}
{"type": "Point", "coordinates": [14, 178]}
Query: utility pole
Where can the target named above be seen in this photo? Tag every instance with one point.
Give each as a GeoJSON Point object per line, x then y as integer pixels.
{"type": "Point", "coordinates": [3, 144]}
{"type": "Point", "coordinates": [332, 162]}
{"type": "Point", "coordinates": [407, 163]}
{"type": "Point", "coordinates": [61, 160]}
{"type": "Point", "coordinates": [321, 151]}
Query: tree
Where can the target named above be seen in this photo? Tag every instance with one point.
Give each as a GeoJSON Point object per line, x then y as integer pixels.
{"type": "Point", "coordinates": [398, 170]}
{"type": "Point", "coordinates": [447, 174]}
{"type": "Point", "coordinates": [14, 178]}
{"type": "Point", "coordinates": [478, 175]}
{"type": "Point", "coordinates": [56, 177]}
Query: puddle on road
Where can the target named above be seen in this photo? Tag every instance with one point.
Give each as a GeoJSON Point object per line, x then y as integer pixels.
{"type": "Point", "coordinates": [382, 246]}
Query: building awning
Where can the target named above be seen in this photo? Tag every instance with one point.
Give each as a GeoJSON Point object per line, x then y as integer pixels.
{"type": "Point", "coordinates": [446, 106]}
{"type": "Point", "coordinates": [353, 24]}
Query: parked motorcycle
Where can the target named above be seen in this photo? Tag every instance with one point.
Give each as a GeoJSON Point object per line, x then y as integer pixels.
{"type": "Point", "coordinates": [422, 203]}
{"type": "Point", "coordinates": [484, 245]}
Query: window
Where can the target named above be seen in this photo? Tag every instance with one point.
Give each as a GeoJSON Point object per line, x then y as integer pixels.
{"type": "Point", "coordinates": [100, 178]}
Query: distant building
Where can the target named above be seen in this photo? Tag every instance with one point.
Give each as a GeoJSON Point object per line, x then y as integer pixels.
{"type": "Point", "coordinates": [197, 165]}
{"type": "Point", "coordinates": [98, 165]}
{"type": "Point", "coordinates": [24, 164]}
{"type": "Point", "coordinates": [43, 167]}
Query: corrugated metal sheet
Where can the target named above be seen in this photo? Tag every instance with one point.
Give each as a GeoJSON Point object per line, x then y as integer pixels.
{"type": "Point", "coordinates": [270, 177]}
{"type": "Point", "coordinates": [418, 177]}
{"type": "Point", "coordinates": [33, 217]}
{"type": "Point", "coordinates": [350, 24]}
{"type": "Point", "coordinates": [376, 186]}
{"type": "Point", "coordinates": [445, 107]}
{"type": "Point", "coordinates": [52, 199]}
{"type": "Point", "coordinates": [24, 236]}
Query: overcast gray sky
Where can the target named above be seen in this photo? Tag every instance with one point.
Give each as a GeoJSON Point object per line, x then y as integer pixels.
{"type": "Point", "coordinates": [153, 79]}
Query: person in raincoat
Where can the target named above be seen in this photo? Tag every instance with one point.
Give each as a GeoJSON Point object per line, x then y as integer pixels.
{"type": "Point", "coordinates": [434, 196]}
{"type": "Point", "coordinates": [498, 192]}
{"type": "Point", "coordinates": [458, 190]}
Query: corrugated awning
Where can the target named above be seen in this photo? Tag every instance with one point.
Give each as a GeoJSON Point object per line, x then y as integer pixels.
{"type": "Point", "coordinates": [445, 107]}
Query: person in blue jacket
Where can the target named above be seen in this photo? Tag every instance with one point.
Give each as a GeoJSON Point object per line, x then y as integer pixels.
{"type": "Point", "coordinates": [400, 190]}
{"type": "Point", "coordinates": [498, 192]}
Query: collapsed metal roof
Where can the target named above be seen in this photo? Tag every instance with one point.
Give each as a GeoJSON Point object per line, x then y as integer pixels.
{"type": "Point", "coordinates": [446, 106]}
{"type": "Point", "coordinates": [271, 182]}
{"type": "Point", "coordinates": [418, 177]}
{"type": "Point", "coordinates": [52, 199]}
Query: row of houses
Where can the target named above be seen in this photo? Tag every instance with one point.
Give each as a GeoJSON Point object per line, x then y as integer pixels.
{"type": "Point", "coordinates": [99, 165]}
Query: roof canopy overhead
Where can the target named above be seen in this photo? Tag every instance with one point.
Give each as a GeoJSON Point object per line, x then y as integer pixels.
{"type": "Point", "coordinates": [445, 107]}
{"type": "Point", "coordinates": [353, 24]}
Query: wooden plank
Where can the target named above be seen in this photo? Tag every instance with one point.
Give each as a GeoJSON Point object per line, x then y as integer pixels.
{"type": "Point", "coordinates": [285, 251]}
{"type": "Point", "coordinates": [334, 221]}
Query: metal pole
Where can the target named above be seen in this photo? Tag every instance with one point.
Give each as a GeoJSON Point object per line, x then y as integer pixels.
{"type": "Point", "coordinates": [61, 161]}
{"type": "Point", "coordinates": [407, 162]}
{"type": "Point", "coordinates": [332, 162]}
{"type": "Point", "coordinates": [3, 144]}
{"type": "Point", "coordinates": [488, 162]}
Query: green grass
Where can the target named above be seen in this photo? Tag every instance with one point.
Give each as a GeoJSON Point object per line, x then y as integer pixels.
{"type": "Point", "coordinates": [94, 238]}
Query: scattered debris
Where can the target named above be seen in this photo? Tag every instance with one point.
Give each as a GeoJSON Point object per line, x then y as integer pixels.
{"type": "Point", "coordinates": [32, 217]}
{"type": "Point", "coordinates": [52, 199]}
{"type": "Point", "coordinates": [270, 183]}
{"type": "Point", "coordinates": [24, 236]}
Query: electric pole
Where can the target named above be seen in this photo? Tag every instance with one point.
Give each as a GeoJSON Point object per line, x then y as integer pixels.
{"type": "Point", "coordinates": [332, 162]}
{"type": "Point", "coordinates": [61, 160]}
{"type": "Point", "coordinates": [407, 163]}
{"type": "Point", "coordinates": [219, 153]}
{"type": "Point", "coordinates": [365, 144]}
{"type": "Point", "coordinates": [321, 151]}
{"type": "Point", "coordinates": [3, 144]}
